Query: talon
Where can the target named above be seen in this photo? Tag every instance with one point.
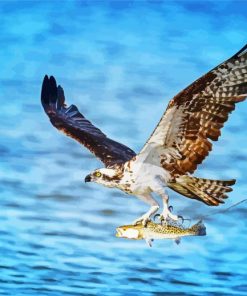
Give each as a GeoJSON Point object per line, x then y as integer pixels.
{"type": "Point", "coordinates": [157, 215]}
{"type": "Point", "coordinates": [145, 222]}
{"type": "Point", "coordinates": [137, 222]}
{"type": "Point", "coordinates": [182, 218]}
{"type": "Point", "coordinates": [170, 208]}
{"type": "Point", "coordinates": [162, 219]}
{"type": "Point", "coordinates": [168, 216]}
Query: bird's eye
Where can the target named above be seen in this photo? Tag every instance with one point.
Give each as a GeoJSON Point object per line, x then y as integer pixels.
{"type": "Point", "coordinates": [98, 174]}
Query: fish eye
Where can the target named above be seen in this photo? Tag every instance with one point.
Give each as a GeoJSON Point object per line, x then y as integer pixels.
{"type": "Point", "coordinates": [98, 174]}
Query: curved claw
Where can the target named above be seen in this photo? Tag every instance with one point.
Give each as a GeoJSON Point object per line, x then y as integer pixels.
{"type": "Point", "coordinates": [170, 208]}
{"type": "Point", "coordinates": [157, 215]}
{"type": "Point", "coordinates": [182, 218]}
{"type": "Point", "coordinates": [161, 218]}
{"type": "Point", "coordinates": [163, 221]}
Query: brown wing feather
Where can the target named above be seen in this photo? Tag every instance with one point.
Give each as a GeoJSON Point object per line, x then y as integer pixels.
{"type": "Point", "coordinates": [74, 124]}
{"type": "Point", "coordinates": [196, 115]}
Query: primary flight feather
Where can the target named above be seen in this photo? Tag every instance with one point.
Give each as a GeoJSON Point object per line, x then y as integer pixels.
{"type": "Point", "coordinates": [74, 124]}
{"type": "Point", "coordinates": [181, 140]}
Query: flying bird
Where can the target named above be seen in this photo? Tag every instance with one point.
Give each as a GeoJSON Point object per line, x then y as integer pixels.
{"type": "Point", "coordinates": [179, 143]}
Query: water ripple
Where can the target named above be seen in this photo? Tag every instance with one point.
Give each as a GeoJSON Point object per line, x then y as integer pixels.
{"type": "Point", "coordinates": [57, 233]}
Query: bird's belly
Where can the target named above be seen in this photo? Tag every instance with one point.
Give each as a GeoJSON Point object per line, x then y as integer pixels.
{"type": "Point", "coordinates": [135, 188]}
{"type": "Point", "coordinates": [142, 179]}
{"type": "Point", "coordinates": [140, 188]}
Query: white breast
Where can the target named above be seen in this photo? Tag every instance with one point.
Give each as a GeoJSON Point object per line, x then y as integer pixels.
{"type": "Point", "coordinates": [140, 177]}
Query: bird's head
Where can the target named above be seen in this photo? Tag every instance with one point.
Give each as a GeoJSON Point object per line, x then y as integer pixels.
{"type": "Point", "coordinates": [108, 177]}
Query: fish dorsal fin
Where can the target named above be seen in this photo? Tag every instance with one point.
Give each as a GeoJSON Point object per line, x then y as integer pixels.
{"type": "Point", "coordinates": [177, 240]}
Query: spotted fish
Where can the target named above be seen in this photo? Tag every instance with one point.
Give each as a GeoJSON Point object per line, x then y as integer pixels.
{"type": "Point", "coordinates": [151, 231]}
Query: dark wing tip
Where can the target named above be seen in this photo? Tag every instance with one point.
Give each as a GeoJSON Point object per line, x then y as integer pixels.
{"type": "Point", "coordinates": [53, 90]}
{"type": "Point", "coordinates": [45, 91]}
{"type": "Point", "coordinates": [49, 92]}
{"type": "Point", "coordinates": [53, 80]}
{"type": "Point", "coordinates": [60, 97]}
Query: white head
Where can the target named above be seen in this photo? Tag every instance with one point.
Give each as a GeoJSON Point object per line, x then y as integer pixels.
{"type": "Point", "coordinates": [126, 232]}
{"type": "Point", "coordinates": [108, 177]}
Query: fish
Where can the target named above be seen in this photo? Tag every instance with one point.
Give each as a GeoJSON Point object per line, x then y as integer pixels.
{"type": "Point", "coordinates": [166, 230]}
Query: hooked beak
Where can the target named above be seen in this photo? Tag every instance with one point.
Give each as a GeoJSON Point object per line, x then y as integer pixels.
{"type": "Point", "coordinates": [87, 178]}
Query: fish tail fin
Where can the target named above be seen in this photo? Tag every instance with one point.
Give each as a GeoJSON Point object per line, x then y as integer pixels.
{"type": "Point", "coordinates": [198, 229]}
{"type": "Point", "coordinates": [211, 192]}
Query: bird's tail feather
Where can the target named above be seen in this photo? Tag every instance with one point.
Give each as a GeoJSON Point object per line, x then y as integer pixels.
{"type": "Point", "coordinates": [211, 192]}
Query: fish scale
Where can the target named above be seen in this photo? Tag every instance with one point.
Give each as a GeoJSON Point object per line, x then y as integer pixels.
{"type": "Point", "coordinates": [168, 230]}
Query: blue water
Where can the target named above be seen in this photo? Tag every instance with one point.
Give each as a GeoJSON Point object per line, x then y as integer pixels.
{"type": "Point", "coordinates": [119, 62]}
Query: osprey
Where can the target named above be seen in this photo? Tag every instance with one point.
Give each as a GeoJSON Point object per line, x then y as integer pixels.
{"type": "Point", "coordinates": [181, 140]}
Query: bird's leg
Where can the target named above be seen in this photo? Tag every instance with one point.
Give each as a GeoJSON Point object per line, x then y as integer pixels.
{"type": "Point", "coordinates": [166, 213]}
{"type": "Point", "coordinates": [153, 209]}
{"type": "Point", "coordinates": [160, 190]}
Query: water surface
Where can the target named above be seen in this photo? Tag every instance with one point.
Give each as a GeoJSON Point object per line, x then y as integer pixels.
{"type": "Point", "coordinates": [119, 62]}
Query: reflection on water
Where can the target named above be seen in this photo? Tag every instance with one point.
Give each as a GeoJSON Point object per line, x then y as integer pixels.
{"type": "Point", "coordinates": [57, 233]}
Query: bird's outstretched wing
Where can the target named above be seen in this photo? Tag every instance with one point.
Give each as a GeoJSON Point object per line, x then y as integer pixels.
{"type": "Point", "coordinates": [70, 121]}
{"type": "Point", "coordinates": [195, 116]}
